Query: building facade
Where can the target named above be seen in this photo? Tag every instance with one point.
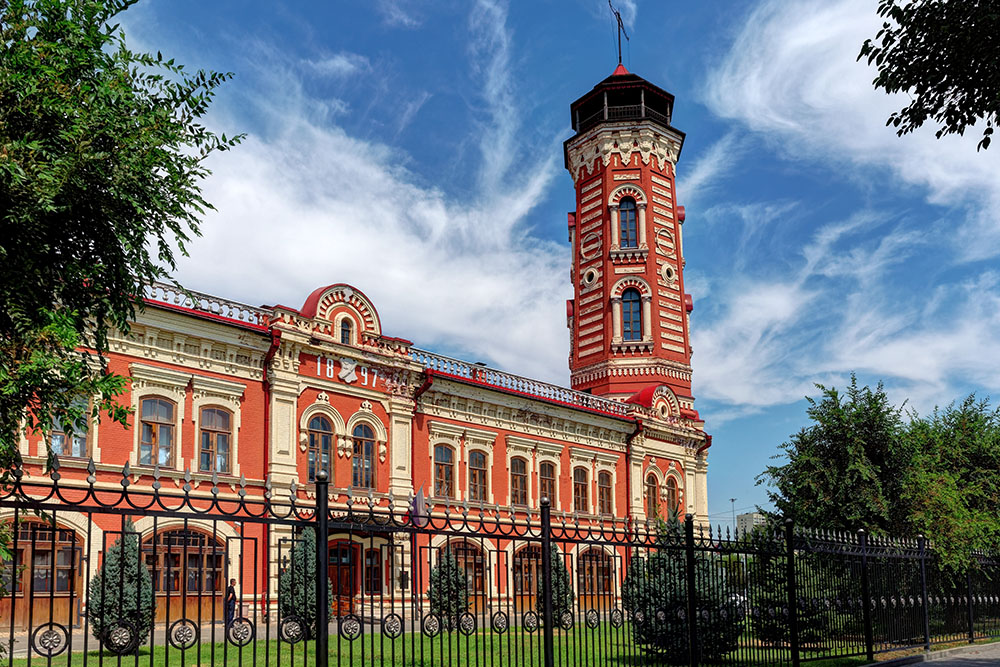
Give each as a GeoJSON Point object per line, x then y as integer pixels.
{"type": "Point", "coordinates": [258, 400]}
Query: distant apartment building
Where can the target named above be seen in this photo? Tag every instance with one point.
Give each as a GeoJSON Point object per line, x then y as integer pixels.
{"type": "Point", "coordinates": [745, 523]}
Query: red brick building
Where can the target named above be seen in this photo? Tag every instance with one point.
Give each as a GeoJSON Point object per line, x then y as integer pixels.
{"type": "Point", "coordinates": [242, 394]}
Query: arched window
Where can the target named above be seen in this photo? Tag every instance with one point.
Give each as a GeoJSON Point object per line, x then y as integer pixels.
{"type": "Point", "coordinates": [156, 436]}
{"type": "Point", "coordinates": [652, 496]}
{"type": "Point", "coordinates": [518, 482]}
{"type": "Point", "coordinates": [547, 475]}
{"type": "Point", "coordinates": [320, 445]}
{"type": "Point", "coordinates": [595, 578]}
{"type": "Point", "coordinates": [444, 472]}
{"type": "Point", "coordinates": [673, 498]}
{"type": "Point", "coordinates": [631, 315]}
{"type": "Point", "coordinates": [580, 495]}
{"type": "Point", "coordinates": [470, 560]}
{"type": "Point", "coordinates": [477, 476]}
{"type": "Point", "coordinates": [75, 445]}
{"type": "Point", "coordinates": [604, 493]}
{"type": "Point", "coordinates": [216, 436]}
{"type": "Point", "coordinates": [363, 467]}
{"type": "Point", "coordinates": [345, 331]}
{"type": "Point", "coordinates": [629, 236]}
{"type": "Point", "coordinates": [185, 560]}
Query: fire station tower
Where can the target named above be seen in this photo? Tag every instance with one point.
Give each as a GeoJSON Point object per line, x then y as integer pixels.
{"type": "Point", "coordinates": [629, 315]}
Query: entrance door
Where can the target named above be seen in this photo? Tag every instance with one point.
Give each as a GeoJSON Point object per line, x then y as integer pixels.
{"type": "Point", "coordinates": [473, 564]}
{"type": "Point", "coordinates": [595, 580]}
{"type": "Point", "coordinates": [344, 579]}
{"type": "Point", "coordinates": [527, 569]}
{"type": "Point", "coordinates": [188, 570]}
{"type": "Point", "coordinates": [48, 580]}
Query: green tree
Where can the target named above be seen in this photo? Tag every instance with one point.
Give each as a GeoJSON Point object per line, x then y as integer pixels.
{"type": "Point", "coordinates": [562, 588]}
{"type": "Point", "coordinates": [121, 596]}
{"type": "Point", "coordinates": [448, 591]}
{"type": "Point", "coordinates": [846, 470]}
{"type": "Point", "coordinates": [952, 487]}
{"type": "Point", "coordinates": [944, 55]}
{"type": "Point", "coordinates": [297, 583]}
{"type": "Point", "coordinates": [655, 593]}
{"type": "Point", "coordinates": [102, 153]}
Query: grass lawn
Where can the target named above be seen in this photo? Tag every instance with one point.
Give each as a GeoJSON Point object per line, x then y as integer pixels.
{"type": "Point", "coordinates": [582, 647]}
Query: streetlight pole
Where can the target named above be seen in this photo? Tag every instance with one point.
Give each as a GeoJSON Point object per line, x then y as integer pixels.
{"type": "Point", "coordinates": [733, 502]}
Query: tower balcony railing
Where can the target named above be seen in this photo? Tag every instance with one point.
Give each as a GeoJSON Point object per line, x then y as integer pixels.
{"type": "Point", "coordinates": [625, 112]}
{"type": "Point", "coordinates": [481, 374]}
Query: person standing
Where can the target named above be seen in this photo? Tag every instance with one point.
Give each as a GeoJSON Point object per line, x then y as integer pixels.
{"type": "Point", "coordinates": [230, 602]}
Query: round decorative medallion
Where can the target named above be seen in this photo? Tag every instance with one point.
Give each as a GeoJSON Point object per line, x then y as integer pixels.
{"type": "Point", "coordinates": [183, 634]}
{"type": "Point", "coordinates": [466, 624]}
{"type": "Point", "coordinates": [241, 631]}
{"type": "Point", "coordinates": [500, 622]}
{"type": "Point", "coordinates": [392, 626]}
{"type": "Point", "coordinates": [50, 640]}
{"type": "Point", "coordinates": [292, 629]}
{"type": "Point", "coordinates": [121, 637]}
{"type": "Point", "coordinates": [566, 620]}
{"type": "Point", "coordinates": [592, 619]}
{"type": "Point", "coordinates": [617, 618]}
{"type": "Point", "coordinates": [530, 621]}
{"type": "Point", "coordinates": [430, 625]}
{"type": "Point", "coordinates": [350, 627]}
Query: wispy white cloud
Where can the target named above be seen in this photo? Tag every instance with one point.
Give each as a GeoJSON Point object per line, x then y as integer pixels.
{"type": "Point", "coordinates": [698, 179]}
{"type": "Point", "coordinates": [398, 13]}
{"type": "Point", "coordinates": [792, 76]}
{"type": "Point", "coordinates": [339, 65]}
{"type": "Point", "coordinates": [311, 205]}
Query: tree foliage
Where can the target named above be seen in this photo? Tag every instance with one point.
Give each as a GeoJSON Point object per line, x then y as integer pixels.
{"type": "Point", "coordinates": [862, 464]}
{"type": "Point", "coordinates": [655, 594]}
{"type": "Point", "coordinates": [945, 54]}
{"type": "Point", "coordinates": [121, 593]}
{"type": "Point", "coordinates": [297, 583]}
{"type": "Point", "coordinates": [102, 154]}
{"type": "Point", "coordinates": [562, 588]}
{"type": "Point", "coordinates": [448, 590]}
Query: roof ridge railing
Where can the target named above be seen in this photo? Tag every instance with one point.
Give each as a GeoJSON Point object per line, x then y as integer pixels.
{"type": "Point", "coordinates": [171, 295]}
{"type": "Point", "coordinates": [496, 378]}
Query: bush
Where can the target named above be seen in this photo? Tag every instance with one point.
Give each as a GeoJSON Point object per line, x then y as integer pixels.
{"type": "Point", "coordinates": [120, 602]}
{"type": "Point", "coordinates": [448, 591]}
{"type": "Point", "coordinates": [655, 593]}
{"type": "Point", "coordinates": [297, 583]}
{"type": "Point", "coordinates": [562, 589]}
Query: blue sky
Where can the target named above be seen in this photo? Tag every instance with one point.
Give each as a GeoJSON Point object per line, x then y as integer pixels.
{"type": "Point", "coordinates": [413, 149]}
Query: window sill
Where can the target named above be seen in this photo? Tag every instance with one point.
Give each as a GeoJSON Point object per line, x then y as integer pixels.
{"type": "Point", "coordinates": [631, 346]}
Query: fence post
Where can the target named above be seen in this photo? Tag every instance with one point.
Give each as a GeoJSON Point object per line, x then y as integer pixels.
{"type": "Point", "coordinates": [548, 622]}
{"type": "Point", "coordinates": [866, 597]}
{"type": "Point", "coordinates": [322, 588]}
{"type": "Point", "coordinates": [793, 593]}
{"type": "Point", "coordinates": [972, 625]}
{"type": "Point", "coordinates": [923, 591]}
{"type": "Point", "coordinates": [692, 591]}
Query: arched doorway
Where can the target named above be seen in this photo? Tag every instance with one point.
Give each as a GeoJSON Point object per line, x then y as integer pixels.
{"type": "Point", "coordinates": [188, 568]}
{"type": "Point", "coordinates": [595, 579]}
{"type": "Point", "coordinates": [473, 563]}
{"type": "Point", "coordinates": [345, 577]}
{"type": "Point", "coordinates": [527, 570]}
{"type": "Point", "coordinates": [46, 578]}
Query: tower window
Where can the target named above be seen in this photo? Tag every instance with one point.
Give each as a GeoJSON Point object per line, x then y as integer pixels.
{"type": "Point", "coordinates": [629, 236]}
{"type": "Point", "coordinates": [345, 331]}
{"type": "Point", "coordinates": [631, 315]}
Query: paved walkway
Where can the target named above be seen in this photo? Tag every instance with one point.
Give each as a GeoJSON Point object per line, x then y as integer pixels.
{"type": "Point", "coordinates": [972, 656]}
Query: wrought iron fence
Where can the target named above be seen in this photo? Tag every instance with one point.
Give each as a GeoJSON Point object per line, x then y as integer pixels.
{"type": "Point", "coordinates": [108, 569]}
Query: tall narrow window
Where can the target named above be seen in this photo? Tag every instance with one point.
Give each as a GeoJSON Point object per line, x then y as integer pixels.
{"type": "Point", "coordinates": [673, 498]}
{"type": "Point", "coordinates": [518, 482]}
{"type": "Point", "coordinates": [477, 476]}
{"type": "Point", "coordinates": [444, 472]}
{"type": "Point", "coordinates": [216, 436]}
{"type": "Point", "coordinates": [629, 236]}
{"type": "Point", "coordinates": [363, 466]}
{"type": "Point", "coordinates": [652, 496]}
{"type": "Point", "coordinates": [320, 445]}
{"type": "Point", "coordinates": [547, 475]}
{"type": "Point", "coordinates": [631, 315]}
{"type": "Point", "coordinates": [156, 432]}
{"type": "Point", "coordinates": [373, 572]}
{"type": "Point", "coordinates": [75, 445]}
{"type": "Point", "coordinates": [580, 495]}
{"type": "Point", "coordinates": [345, 331]}
{"type": "Point", "coordinates": [604, 494]}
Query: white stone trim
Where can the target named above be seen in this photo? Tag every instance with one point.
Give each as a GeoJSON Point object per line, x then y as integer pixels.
{"type": "Point", "coordinates": [210, 392]}
{"type": "Point", "coordinates": [322, 406]}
